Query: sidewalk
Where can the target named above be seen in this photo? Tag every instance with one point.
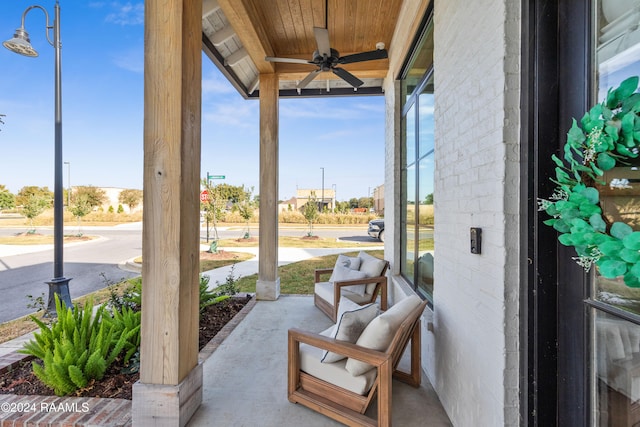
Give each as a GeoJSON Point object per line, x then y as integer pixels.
{"type": "Point", "coordinates": [216, 276]}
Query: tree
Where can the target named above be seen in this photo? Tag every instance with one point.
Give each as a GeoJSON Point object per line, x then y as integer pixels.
{"type": "Point", "coordinates": [130, 197]}
{"type": "Point", "coordinates": [246, 209]}
{"type": "Point", "coordinates": [353, 203]}
{"type": "Point", "coordinates": [26, 193]}
{"type": "Point", "coordinates": [93, 195]}
{"type": "Point", "coordinates": [230, 193]}
{"type": "Point", "coordinates": [80, 208]}
{"type": "Point", "coordinates": [365, 202]}
{"type": "Point", "coordinates": [342, 207]}
{"type": "Point", "coordinates": [428, 199]}
{"type": "Point", "coordinates": [214, 207]}
{"type": "Point", "coordinates": [7, 200]}
{"type": "Point", "coordinates": [35, 205]}
{"type": "Point", "coordinates": [310, 212]}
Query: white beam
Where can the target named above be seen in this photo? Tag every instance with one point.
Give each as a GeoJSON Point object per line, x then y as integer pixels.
{"type": "Point", "coordinates": [236, 57]}
{"type": "Point", "coordinates": [209, 6]}
{"type": "Point", "coordinates": [222, 35]}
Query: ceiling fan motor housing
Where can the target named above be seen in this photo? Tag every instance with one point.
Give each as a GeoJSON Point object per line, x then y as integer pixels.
{"type": "Point", "coordinates": [325, 63]}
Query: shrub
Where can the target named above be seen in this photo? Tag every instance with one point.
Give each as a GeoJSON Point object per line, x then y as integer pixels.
{"type": "Point", "coordinates": [230, 285]}
{"type": "Point", "coordinates": [130, 297]}
{"type": "Point", "coordinates": [209, 297]}
{"type": "Point", "coordinates": [78, 347]}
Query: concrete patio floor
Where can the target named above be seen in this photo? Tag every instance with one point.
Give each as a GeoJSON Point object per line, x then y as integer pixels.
{"type": "Point", "coordinates": [245, 379]}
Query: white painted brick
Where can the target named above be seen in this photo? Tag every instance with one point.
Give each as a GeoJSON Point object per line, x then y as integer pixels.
{"type": "Point", "coordinates": [477, 81]}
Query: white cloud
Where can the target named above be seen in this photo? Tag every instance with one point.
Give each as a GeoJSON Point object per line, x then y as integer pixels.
{"type": "Point", "coordinates": [240, 112]}
{"type": "Point", "coordinates": [215, 84]}
{"type": "Point", "coordinates": [126, 14]}
{"type": "Point", "coordinates": [131, 60]}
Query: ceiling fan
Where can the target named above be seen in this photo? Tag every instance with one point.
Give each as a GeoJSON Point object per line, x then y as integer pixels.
{"type": "Point", "coordinates": [328, 59]}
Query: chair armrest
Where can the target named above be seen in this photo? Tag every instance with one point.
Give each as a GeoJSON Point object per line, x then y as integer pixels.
{"type": "Point", "coordinates": [321, 271]}
{"type": "Point", "coordinates": [372, 357]}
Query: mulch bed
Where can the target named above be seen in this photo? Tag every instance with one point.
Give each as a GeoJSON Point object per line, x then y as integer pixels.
{"type": "Point", "coordinates": [115, 384]}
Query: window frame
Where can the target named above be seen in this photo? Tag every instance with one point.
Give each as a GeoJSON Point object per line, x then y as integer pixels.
{"type": "Point", "coordinates": [411, 105]}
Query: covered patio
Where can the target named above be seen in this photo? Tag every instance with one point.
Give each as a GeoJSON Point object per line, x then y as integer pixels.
{"type": "Point", "coordinates": [246, 376]}
{"type": "Point", "coordinates": [237, 36]}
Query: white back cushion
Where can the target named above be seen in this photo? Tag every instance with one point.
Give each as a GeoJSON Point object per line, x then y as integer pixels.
{"type": "Point", "coordinates": [341, 273]}
{"type": "Point", "coordinates": [380, 332]}
{"type": "Point", "coordinates": [372, 267]}
{"type": "Point", "coordinates": [352, 319]}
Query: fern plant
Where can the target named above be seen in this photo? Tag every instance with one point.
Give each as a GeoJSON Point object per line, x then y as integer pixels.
{"type": "Point", "coordinates": [125, 324]}
{"type": "Point", "coordinates": [79, 347]}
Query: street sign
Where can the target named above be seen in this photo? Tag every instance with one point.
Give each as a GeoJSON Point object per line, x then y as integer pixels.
{"type": "Point", "coordinates": [204, 196]}
{"type": "Point", "coordinates": [215, 176]}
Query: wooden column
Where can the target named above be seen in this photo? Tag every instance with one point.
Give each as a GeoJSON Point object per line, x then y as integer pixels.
{"type": "Point", "coordinates": [170, 386]}
{"type": "Point", "coordinates": [268, 285]}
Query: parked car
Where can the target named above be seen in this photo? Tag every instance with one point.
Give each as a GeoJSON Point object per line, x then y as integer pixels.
{"type": "Point", "coordinates": [376, 229]}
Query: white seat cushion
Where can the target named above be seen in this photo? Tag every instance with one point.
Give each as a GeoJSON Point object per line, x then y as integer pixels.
{"type": "Point", "coordinates": [334, 373]}
{"type": "Point", "coordinates": [380, 332]}
{"type": "Point", "coordinates": [325, 291]}
{"type": "Point", "coordinates": [352, 319]}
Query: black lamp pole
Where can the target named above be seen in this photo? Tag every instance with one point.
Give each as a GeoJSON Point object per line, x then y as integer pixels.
{"type": "Point", "coordinates": [21, 44]}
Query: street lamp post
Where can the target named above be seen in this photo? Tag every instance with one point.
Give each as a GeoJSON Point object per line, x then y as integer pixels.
{"type": "Point", "coordinates": [68, 184]}
{"type": "Point", "coordinates": [21, 44]}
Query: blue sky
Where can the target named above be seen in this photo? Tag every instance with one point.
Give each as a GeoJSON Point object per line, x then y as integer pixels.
{"type": "Point", "coordinates": [102, 113]}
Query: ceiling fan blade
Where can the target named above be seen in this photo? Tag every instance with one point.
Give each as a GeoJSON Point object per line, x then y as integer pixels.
{"type": "Point", "coordinates": [312, 75]}
{"type": "Point", "coordinates": [290, 60]}
{"type": "Point", "coordinates": [322, 39]}
{"type": "Point", "coordinates": [364, 56]}
{"type": "Point", "coordinates": [347, 77]}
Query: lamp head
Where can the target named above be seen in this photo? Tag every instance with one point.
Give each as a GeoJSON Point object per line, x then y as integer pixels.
{"type": "Point", "coordinates": [20, 43]}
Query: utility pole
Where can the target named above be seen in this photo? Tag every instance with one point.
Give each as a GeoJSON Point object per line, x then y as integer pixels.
{"type": "Point", "coordinates": [322, 202]}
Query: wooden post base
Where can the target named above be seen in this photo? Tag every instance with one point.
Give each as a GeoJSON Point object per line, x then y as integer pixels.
{"type": "Point", "coordinates": [167, 405]}
{"type": "Point", "coordinates": [268, 290]}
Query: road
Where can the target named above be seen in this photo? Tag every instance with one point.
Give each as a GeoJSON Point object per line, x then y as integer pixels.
{"type": "Point", "coordinates": [97, 263]}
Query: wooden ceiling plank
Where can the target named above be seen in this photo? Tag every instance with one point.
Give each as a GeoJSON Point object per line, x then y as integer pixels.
{"type": "Point", "coordinates": [300, 32]}
{"type": "Point", "coordinates": [245, 20]}
{"type": "Point", "coordinates": [273, 23]}
{"type": "Point", "coordinates": [337, 25]}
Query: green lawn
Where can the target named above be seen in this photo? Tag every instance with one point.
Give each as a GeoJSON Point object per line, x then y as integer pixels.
{"type": "Point", "coordinates": [296, 242]}
{"type": "Point", "coordinates": [297, 277]}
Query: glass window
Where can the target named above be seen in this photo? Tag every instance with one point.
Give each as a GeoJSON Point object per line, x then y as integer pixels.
{"type": "Point", "coordinates": [617, 57]}
{"type": "Point", "coordinates": [617, 371]}
{"type": "Point", "coordinates": [615, 366]}
{"type": "Point", "coordinates": [417, 216]}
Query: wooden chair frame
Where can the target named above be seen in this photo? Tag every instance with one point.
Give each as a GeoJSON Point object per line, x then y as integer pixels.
{"type": "Point", "coordinates": [332, 310]}
{"type": "Point", "coordinates": [343, 405]}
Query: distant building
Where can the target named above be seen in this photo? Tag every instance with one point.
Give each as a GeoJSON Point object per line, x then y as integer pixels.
{"type": "Point", "coordinates": [325, 198]}
{"type": "Point", "coordinates": [287, 205]}
{"type": "Point", "coordinates": [378, 199]}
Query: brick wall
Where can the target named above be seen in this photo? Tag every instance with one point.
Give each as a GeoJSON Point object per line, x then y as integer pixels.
{"type": "Point", "coordinates": [475, 344]}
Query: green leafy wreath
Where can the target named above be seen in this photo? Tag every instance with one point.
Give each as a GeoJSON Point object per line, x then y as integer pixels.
{"type": "Point", "coordinates": [608, 135]}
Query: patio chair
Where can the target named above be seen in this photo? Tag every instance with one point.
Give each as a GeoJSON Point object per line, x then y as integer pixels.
{"type": "Point", "coordinates": [359, 279]}
{"type": "Point", "coordinates": [344, 389]}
